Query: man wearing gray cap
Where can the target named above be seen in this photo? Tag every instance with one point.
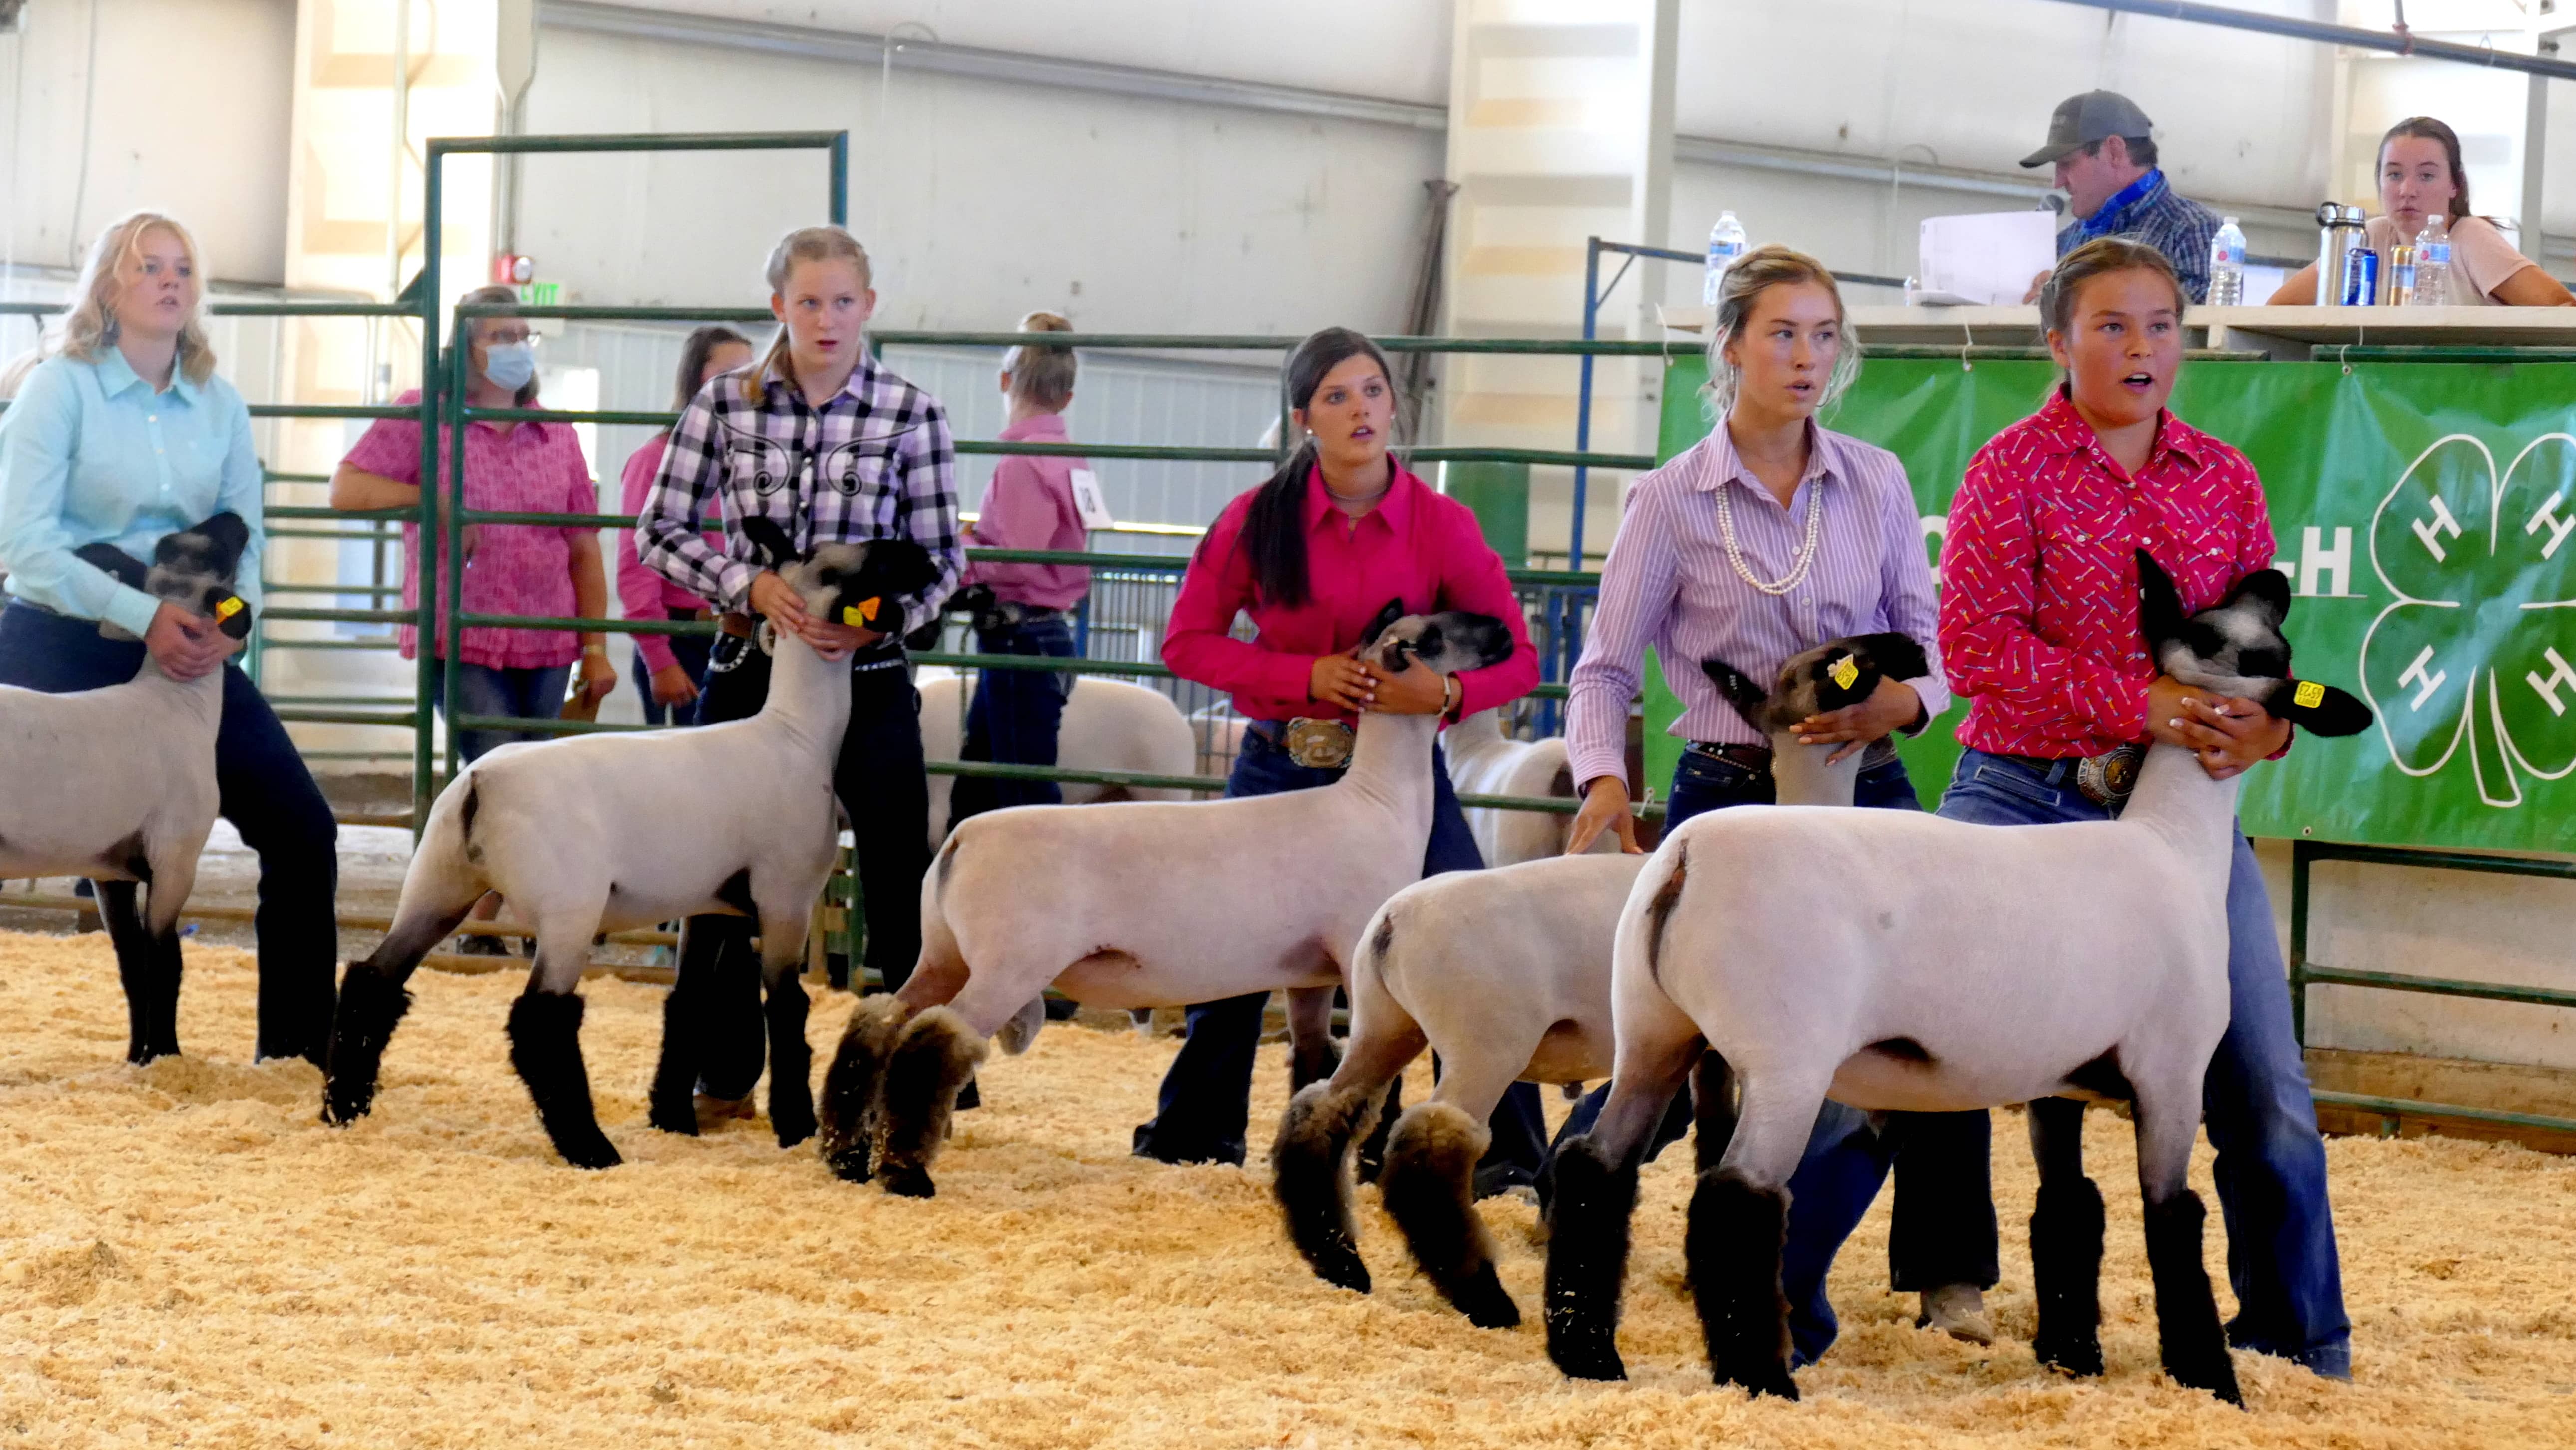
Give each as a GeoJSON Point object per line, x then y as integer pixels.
{"type": "Point", "coordinates": [2105, 154]}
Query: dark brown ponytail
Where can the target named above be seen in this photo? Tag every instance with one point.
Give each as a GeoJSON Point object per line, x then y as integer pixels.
{"type": "Point", "coordinates": [1274, 527]}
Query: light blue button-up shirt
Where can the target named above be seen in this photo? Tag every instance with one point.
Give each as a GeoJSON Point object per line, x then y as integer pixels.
{"type": "Point", "coordinates": [90, 454]}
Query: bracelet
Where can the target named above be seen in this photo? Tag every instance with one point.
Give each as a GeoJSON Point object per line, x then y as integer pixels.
{"type": "Point", "coordinates": [594, 649]}
{"type": "Point", "coordinates": [1452, 694]}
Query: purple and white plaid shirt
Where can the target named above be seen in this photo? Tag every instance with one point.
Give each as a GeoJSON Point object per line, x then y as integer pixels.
{"type": "Point", "coordinates": [875, 462]}
{"type": "Point", "coordinates": [1668, 584]}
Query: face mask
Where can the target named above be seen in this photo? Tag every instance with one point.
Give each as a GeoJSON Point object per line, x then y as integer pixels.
{"type": "Point", "coordinates": [510, 365]}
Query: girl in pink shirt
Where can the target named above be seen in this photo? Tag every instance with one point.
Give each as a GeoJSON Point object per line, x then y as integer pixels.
{"type": "Point", "coordinates": [670, 669]}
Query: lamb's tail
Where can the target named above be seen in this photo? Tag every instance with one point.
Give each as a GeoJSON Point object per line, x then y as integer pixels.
{"type": "Point", "coordinates": [1650, 905]}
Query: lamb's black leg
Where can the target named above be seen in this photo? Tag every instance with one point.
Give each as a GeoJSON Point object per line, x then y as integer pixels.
{"type": "Point", "coordinates": [1713, 1110]}
{"type": "Point", "coordinates": [149, 967]}
{"type": "Point", "coordinates": [545, 1047]}
{"type": "Point", "coordinates": [1430, 1190]}
{"type": "Point", "coordinates": [2193, 1345]}
{"type": "Point", "coordinates": [1370, 1160]}
{"type": "Point", "coordinates": [2065, 1241]}
{"type": "Point", "coordinates": [371, 1002]}
{"type": "Point", "coordinates": [933, 1058]}
{"type": "Point", "coordinates": [853, 1087]}
{"type": "Point", "coordinates": [672, 1103]}
{"type": "Point", "coordinates": [1587, 1260]}
{"type": "Point", "coordinates": [791, 1062]}
{"type": "Point", "coordinates": [1306, 1177]}
{"type": "Point", "coordinates": [1731, 1252]}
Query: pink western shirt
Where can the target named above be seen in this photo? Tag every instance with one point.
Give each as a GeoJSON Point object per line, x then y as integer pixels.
{"type": "Point", "coordinates": [641, 593]}
{"type": "Point", "coordinates": [1416, 545]}
{"type": "Point", "coordinates": [515, 569]}
{"type": "Point", "coordinates": [1029, 505]}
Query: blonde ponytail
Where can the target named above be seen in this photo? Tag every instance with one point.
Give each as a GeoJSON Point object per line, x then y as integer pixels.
{"type": "Point", "coordinates": [1041, 373]}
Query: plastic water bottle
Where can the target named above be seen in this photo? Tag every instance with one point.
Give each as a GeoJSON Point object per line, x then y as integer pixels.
{"type": "Point", "coordinates": [2227, 266]}
{"type": "Point", "coordinates": [2433, 264]}
{"type": "Point", "coordinates": [1725, 244]}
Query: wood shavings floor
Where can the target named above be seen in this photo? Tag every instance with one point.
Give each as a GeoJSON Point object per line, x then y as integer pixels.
{"type": "Point", "coordinates": [188, 1257]}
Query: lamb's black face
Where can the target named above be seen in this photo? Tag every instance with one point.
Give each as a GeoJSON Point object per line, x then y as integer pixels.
{"type": "Point", "coordinates": [2236, 647]}
{"type": "Point", "coordinates": [1448, 642]}
{"type": "Point", "coordinates": [857, 584]}
{"type": "Point", "coordinates": [1833, 675]}
{"type": "Point", "coordinates": [193, 569]}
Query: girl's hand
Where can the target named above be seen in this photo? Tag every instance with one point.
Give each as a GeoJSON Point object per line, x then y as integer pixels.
{"type": "Point", "coordinates": [2179, 714]}
{"type": "Point", "coordinates": [2252, 734]}
{"type": "Point", "coordinates": [1605, 808]}
{"type": "Point", "coordinates": [1342, 681]}
{"type": "Point", "coordinates": [774, 601]}
{"type": "Point", "coordinates": [186, 646]}
{"type": "Point", "coordinates": [1418, 690]}
{"type": "Point", "coordinates": [1891, 707]}
{"type": "Point", "coordinates": [598, 676]}
{"type": "Point", "coordinates": [672, 686]}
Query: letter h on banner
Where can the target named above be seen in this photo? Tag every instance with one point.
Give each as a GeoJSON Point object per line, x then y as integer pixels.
{"type": "Point", "coordinates": [2317, 564]}
{"type": "Point", "coordinates": [2561, 673]}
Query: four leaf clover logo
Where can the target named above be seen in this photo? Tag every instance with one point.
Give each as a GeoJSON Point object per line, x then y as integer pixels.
{"type": "Point", "coordinates": [2476, 654]}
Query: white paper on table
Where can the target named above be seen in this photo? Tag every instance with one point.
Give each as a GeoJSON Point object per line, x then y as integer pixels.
{"type": "Point", "coordinates": [1985, 259]}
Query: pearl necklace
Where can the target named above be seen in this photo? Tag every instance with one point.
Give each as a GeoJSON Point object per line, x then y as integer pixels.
{"type": "Point", "coordinates": [1735, 551]}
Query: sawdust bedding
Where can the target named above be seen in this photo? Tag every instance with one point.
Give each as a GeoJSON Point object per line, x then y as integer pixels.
{"type": "Point", "coordinates": [188, 1257]}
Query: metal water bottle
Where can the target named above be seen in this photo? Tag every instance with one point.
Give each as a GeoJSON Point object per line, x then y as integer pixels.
{"type": "Point", "coordinates": [2339, 235]}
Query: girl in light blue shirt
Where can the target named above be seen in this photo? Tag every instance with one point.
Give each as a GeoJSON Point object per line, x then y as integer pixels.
{"type": "Point", "coordinates": [121, 435]}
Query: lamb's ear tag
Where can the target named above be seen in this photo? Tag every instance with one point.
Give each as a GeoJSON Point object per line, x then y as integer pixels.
{"type": "Point", "coordinates": [2308, 695]}
{"type": "Point", "coordinates": [232, 605]}
{"type": "Point", "coordinates": [863, 612]}
{"type": "Point", "coordinates": [1843, 671]}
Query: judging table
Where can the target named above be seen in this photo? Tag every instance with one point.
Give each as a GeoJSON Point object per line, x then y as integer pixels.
{"type": "Point", "coordinates": [2280, 334]}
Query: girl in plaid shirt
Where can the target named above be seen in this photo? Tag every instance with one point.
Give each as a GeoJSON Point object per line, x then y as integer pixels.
{"type": "Point", "coordinates": [821, 439]}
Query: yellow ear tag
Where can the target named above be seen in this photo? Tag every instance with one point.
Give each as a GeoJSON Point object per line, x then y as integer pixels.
{"type": "Point", "coordinates": [2309, 694]}
{"type": "Point", "coordinates": [231, 606]}
{"type": "Point", "coordinates": [863, 612]}
{"type": "Point", "coordinates": [1843, 671]}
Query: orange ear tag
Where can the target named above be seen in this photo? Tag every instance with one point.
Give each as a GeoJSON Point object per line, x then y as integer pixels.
{"type": "Point", "coordinates": [863, 612]}
{"type": "Point", "coordinates": [231, 606]}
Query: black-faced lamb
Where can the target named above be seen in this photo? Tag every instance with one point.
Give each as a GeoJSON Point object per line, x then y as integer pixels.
{"type": "Point", "coordinates": [1135, 904]}
{"type": "Point", "coordinates": [118, 784]}
{"type": "Point", "coordinates": [608, 832]}
{"type": "Point", "coordinates": [1895, 961]}
{"type": "Point", "coordinates": [1505, 974]}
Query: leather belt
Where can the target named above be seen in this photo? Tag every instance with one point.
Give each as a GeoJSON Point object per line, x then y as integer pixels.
{"type": "Point", "coordinates": [2105, 779]}
{"type": "Point", "coordinates": [1313, 743]}
{"type": "Point", "coordinates": [1755, 758]}
{"type": "Point", "coordinates": [740, 626]}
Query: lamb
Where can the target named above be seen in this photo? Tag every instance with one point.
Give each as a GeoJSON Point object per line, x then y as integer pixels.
{"type": "Point", "coordinates": [576, 833]}
{"type": "Point", "coordinates": [2037, 961]}
{"type": "Point", "coordinates": [1108, 725]}
{"type": "Point", "coordinates": [1484, 761]}
{"type": "Point", "coordinates": [1144, 904]}
{"type": "Point", "coordinates": [1505, 973]}
{"type": "Point", "coordinates": [118, 784]}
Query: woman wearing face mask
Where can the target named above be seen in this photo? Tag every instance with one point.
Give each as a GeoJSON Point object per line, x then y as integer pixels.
{"type": "Point", "coordinates": [2421, 179]}
{"type": "Point", "coordinates": [1769, 537]}
{"type": "Point", "coordinates": [670, 669]}
{"type": "Point", "coordinates": [124, 433]}
{"type": "Point", "coordinates": [2039, 630]}
{"type": "Point", "coordinates": [1311, 556]}
{"type": "Point", "coordinates": [828, 443]}
{"type": "Point", "coordinates": [509, 568]}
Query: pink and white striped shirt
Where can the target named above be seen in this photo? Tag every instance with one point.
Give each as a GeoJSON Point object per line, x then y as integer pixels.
{"type": "Point", "coordinates": [1668, 583]}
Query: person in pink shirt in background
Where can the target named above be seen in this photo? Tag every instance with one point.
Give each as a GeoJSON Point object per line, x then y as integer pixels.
{"type": "Point", "coordinates": [671, 669]}
{"type": "Point", "coordinates": [1312, 555]}
{"type": "Point", "coordinates": [1024, 609]}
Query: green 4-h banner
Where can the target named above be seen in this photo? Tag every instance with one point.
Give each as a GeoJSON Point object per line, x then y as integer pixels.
{"type": "Point", "coordinates": [2426, 517]}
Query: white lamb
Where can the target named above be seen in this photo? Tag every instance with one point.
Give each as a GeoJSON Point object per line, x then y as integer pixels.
{"type": "Point", "coordinates": [608, 832]}
{"type": "Point", "coordinates": [1141, 904]}
{"type": "Point", "coordinates": [1505, 974]}
{"type": "Point", "coordinates": [1895, 961]}
{"type": "Point", "coordinates": [118, 784]}
{"type": "Point", "coordinates": [1485, 761]}
{"type": "Point", "coordinates": [1108, 725]}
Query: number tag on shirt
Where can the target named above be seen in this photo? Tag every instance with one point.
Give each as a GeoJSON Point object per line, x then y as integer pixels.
{"type": "Point", "coordinates": [1087, 501]}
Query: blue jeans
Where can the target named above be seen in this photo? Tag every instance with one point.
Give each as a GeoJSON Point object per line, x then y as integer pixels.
{"type": "Point", "coordinates": [1013, 719]}
{"type": "Point", "coordinates": [689, 651]}
{"type": "Point", "coordinates": [1703, 783]}
{"type": "Point", "coordinates": [1206, 1096]}
{"type": "Point", "coordinates": [492, 690]}
{"type": "Point", "coordinates": [261, 787]}
{"type": "Point", "coordinates": [2271, 1168]}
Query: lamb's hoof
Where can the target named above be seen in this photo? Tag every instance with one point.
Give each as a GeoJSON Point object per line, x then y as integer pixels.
{"type": "Point", "coordinates": [1766, 1379]}
{"type": "Point", "coordinates": [1590, 1355]}
{"type": "Point", "coordinates": [908, 1181]}
{"type": "Point", "coordinates": [145, 1056]}
{"type": "Point", "coordinates": [672, 1114]}
{"type": "Point", "coordinates": [1340, 1266]}
{"type": "Point", "coordinates": [593, 1151]}
{"type": "Point", "coordinates": [794, 1122]}
{"type": "Point", "coordinates": [1485, 1304]}
{"type": "Point", "coordinates": [852, 1165]}
{"type": "Point", "coordinates": [2079, 1355]}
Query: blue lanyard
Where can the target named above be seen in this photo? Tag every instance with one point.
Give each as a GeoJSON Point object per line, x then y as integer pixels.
{"type": "Point", "coordinates": [2106, 221]}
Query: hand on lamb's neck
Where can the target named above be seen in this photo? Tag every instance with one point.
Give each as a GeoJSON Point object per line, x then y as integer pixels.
{"type": "Point", "coordinates": [1391, 762]}
{"type": "Point", "coordinates": [2176, 797]}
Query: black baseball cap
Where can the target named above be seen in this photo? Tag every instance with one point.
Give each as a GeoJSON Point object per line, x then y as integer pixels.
{"type": "Point", "coordinates": [2082, 120]}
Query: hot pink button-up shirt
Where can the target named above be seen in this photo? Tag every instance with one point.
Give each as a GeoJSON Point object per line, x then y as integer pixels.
{"type": "Point", "coordinates": [515, 569]}
{"type": "Point", "coordinates": [641, 593]}
{"type": "Point", "coordinates": [1029, 505]}
{"type": "Point", "coordinates": [1416, 545]}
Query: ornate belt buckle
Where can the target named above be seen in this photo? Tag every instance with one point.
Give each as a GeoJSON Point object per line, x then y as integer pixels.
{"type": "Point", "coordinates": [1318, 744]}
{"type": "Point", "coordinates": [2106, 779]}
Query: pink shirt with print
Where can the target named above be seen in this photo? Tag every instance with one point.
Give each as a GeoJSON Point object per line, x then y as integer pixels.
{"type": "Point", "coordinates": [515, 568]}
{"type": "Point", "coordinates": [643, 593]}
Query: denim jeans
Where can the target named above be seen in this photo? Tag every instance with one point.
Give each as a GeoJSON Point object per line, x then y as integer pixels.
{"type": "Point", "coordinates": [261, 787]}
{"type": "Point", "coordinates": [1013, 719]}
{"type": "Point", "coordinates": [491, 690]}
{"type": "Point", "coordinates": [689, 651]}
{"type": "Point", "coordinates": [2271, 1168]}
{"type": "Point", "coordinates": [1206, 1096]}
{"type": "Point", "coordinates": [1703, 783]}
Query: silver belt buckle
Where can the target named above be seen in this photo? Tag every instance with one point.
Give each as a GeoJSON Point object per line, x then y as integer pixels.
{"type": "Point", "coordinates": [1318, 744]}
{"type": "Point", "coordinates": [2106, 779]}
